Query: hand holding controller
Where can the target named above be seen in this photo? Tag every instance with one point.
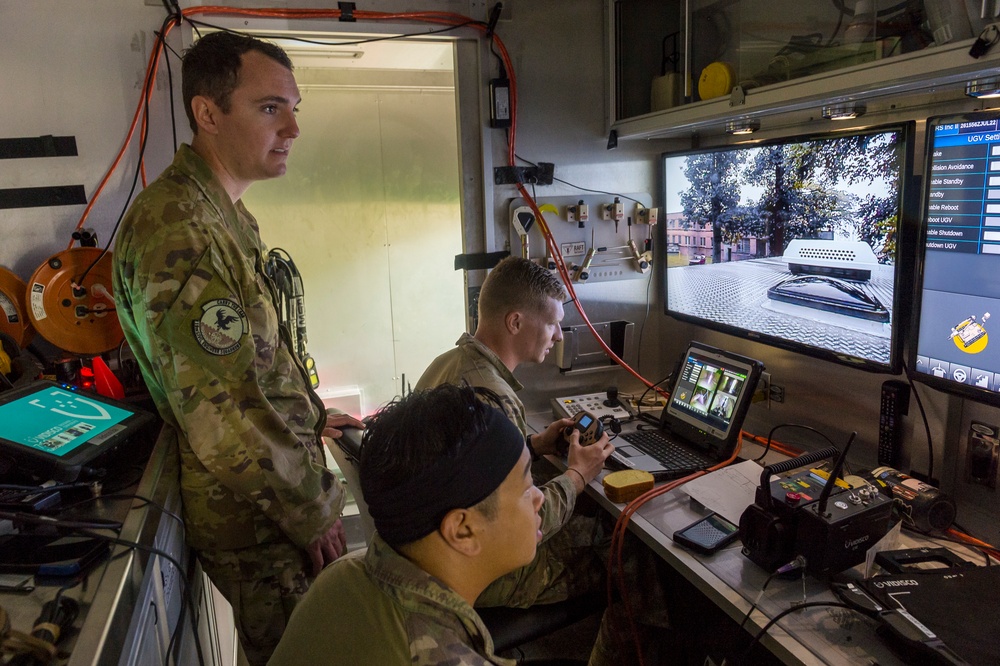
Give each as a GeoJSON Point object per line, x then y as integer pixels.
{"type": "Point", "coordinates": [590, 428]}
{"type": "Point", "coordinates": [588, 448]}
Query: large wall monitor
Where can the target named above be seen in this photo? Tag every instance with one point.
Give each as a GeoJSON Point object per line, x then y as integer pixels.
{"type": "Point", "coordinates": [792, 242]}
{"type": "Point", "coordinates": [959, 292]}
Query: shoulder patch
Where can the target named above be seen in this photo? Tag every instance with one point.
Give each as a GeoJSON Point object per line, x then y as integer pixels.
{"type": "Point", "coordinates": [221, 327]}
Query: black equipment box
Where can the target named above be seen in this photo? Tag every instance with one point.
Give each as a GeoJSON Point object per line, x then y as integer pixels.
{"type": "Point", "coordinates": [839, 538]}
{"type": "Point", "coordinates": [831, 527]}
{"type": "Point", "coordinates": [941, 616]}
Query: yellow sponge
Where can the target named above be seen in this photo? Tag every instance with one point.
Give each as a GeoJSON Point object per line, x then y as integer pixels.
{"type": "Point", "coordinates": [627, 484]}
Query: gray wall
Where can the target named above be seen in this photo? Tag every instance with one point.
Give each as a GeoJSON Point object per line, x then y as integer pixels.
{"type": "Point", "coordinates": [75, 67]}
{"type": "Point", "coordinates": [557, 49]}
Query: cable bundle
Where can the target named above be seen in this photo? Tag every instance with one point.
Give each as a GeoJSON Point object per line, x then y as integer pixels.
{"type": "Point", "coordinates": [38, 647]}
{"type": "Point", "coordinates": [616, 571]}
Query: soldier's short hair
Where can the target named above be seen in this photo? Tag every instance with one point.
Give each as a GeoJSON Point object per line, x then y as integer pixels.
{"type": "Point", "coordinates": [517, 284]}
{"type": "Point", "coordinates": [211, 67]}
{"type": "Point", "coordinates": [412, 436]}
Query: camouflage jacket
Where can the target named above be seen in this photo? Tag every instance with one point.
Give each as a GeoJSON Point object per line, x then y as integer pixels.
{"type": "Point", "coordinates": [199, 313]}
{"type": "Point", "coordinates": [397, 614]}
{"type": "Point", "coordinates": [473, 362]}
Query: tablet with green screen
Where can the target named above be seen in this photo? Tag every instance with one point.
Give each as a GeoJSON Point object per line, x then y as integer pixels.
{"type": "Point", "coordinates": [56, 431]}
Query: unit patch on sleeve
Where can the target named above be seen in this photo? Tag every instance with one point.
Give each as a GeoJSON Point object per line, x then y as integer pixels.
{"type": "Point", "coordinates": [221, 328]}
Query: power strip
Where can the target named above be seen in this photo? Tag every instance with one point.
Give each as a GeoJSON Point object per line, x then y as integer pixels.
{"type": "Point", "coordinates": [569, 406]}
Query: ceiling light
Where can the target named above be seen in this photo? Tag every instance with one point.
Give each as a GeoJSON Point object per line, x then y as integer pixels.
{"type": "Point", "coordinates": [343, 54]}
{"type": "Point", "coordinates": [983, 88]}
{"type": "Point", "coordinates": [743, 126]}
{"type": "Point", "coordinates": [308, 52]}
{"type": "Point", "coordinates": [845, 111]}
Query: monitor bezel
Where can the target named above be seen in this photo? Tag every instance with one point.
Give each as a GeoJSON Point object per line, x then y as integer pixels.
{"type": "Point", "coordinates": [948, 386]}
{"type": "Point", "coordinates": [68, 468]}
{"type": "Point", "coordinates": [902, 276]}
{"type": "Point", "coordinates": [699, 430]}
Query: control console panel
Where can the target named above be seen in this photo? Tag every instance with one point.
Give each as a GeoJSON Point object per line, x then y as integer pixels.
{"type": "Point", "coordinates": [595, 403]}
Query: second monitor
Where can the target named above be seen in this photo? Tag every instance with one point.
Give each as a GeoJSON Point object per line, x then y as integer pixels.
{"type": "Point", "coordinates": [792, 242]}
{"type": "Point", "coordinates": [959, 295]}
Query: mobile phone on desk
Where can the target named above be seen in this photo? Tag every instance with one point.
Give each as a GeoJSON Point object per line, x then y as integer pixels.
{"type": "Point", "coordinates": [707, 534]}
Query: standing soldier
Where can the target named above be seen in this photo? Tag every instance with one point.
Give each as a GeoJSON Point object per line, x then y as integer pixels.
{"type": "Point", "coordinates": [261, 509]}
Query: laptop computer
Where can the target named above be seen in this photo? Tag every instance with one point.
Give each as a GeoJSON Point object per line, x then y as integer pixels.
{"type": "Point", "coordinates": [700, 426]}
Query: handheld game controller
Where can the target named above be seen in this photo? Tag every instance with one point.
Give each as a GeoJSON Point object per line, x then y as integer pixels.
{"type": "Point", "coordinates": [590, 428]}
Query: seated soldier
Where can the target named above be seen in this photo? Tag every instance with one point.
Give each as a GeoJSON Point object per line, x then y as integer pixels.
{"type": "Point", "coordinates": [520, 310]}
{"type": "Point", "coordinates": [446, 476]}
{"type": "Point", "coordinates": [520, 315]}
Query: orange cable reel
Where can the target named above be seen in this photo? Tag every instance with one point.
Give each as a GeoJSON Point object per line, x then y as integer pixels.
{"type": "Point", "coordinates": [13, 310]}
{"type": "Point", "coordinates": [74, 311]}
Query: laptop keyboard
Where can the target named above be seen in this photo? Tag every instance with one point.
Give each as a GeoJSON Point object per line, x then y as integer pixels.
{"type": "Point", "coordinates": [668, 453]}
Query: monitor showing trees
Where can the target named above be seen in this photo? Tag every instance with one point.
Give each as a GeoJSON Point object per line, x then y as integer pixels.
{"type": "Point", "coordinates": [791, 242]}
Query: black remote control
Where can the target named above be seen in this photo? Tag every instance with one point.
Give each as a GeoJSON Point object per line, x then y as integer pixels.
{"type": "Point", "coordinates": [895, 405]}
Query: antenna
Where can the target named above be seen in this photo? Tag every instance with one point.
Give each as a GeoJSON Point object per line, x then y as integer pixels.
{"type": "Point", "coordinates": [834, 473]}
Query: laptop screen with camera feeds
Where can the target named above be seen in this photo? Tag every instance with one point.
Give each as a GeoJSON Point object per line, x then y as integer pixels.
{"type": "Point", "coordinates": [701, 424]}
{"type": "Point", "coordinates": [707, 391]}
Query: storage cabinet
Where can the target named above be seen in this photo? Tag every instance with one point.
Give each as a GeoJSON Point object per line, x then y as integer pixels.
{"type": "Point", "coordinates": [681, 65]}
{"type": "Point", "coordinates": [161, 613]}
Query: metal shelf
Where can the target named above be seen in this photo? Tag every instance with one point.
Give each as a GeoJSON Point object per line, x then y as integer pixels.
{"type": "Point", "coordinates": [942, 69]}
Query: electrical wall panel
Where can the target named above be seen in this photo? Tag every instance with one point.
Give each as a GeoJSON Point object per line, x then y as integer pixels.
{"type": "Point", "coordinates": [579, 352]}
{"type": "Point", "coordinates": [593, 249]}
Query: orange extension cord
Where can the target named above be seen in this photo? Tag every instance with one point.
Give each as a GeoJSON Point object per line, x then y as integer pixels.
{"type": "Point", "coordinates": [616, 572]}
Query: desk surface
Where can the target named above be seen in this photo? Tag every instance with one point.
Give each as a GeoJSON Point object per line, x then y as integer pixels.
{"type": "Point", "coordinates": [109, 592]}
{"type": "Point", "coordinates": [820, 635]}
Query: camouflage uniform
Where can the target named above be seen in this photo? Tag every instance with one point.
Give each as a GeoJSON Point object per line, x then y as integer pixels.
{"type": "Point", "coordinates": [565, 565]}
{"type": "Point", "coordinates": [477, 364]}
{"type": "Point", "coordinates": [574, 560]}
{"type": "Point", "coordinates": [199, 314]}
{"type": "Point", "coordinates": [399, 615]}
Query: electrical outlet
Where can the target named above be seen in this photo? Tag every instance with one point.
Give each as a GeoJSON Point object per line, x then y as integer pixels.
{"type": "Point", "coordinates": [776, 393]}
{"type": "Point", "coordinates": [763, 392]}
{"type": "Point", "coordinates": [981, 453]}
